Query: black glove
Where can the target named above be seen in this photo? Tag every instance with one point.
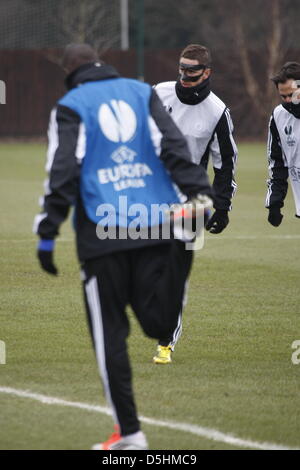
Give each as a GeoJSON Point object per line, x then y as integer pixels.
{"type": "Point", "coordinates": [218, 221]}
{"type": "Point", "coordinates": [275, 217]}
{"type": "Point", "coordinates": [45, 256]}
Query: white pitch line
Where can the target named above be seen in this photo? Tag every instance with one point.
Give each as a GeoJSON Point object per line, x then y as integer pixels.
{"type": "Point", "coordinates": [207, 433]}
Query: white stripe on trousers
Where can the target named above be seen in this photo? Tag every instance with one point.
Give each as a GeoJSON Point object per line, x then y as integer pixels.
{"type": "Point", "coordinates": [178, 330]}
{"type": "Point", "coordinates": [92, 293]}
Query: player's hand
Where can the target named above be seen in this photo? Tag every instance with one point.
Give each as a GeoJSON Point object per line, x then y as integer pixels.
{"type": "Point", "coordinates": [275, 217]}
{"type": "Point", "coordinates": [187, 218]}
{"type": "Point", "coordinates": [218, 221]}
{"type": "Point", "coordinates": [205, 203]}
{"type": "Point", "coordinates": [45, 255]}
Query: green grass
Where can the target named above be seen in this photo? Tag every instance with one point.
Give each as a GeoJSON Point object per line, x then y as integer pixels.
{"type": "Point", "coordinates": [232, 368]}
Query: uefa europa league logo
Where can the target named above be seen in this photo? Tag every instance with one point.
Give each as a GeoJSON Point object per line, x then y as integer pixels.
{"type": "Point", "coordinates": [2, 92]}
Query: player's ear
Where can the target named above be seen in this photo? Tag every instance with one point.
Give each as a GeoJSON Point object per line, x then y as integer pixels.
{"type": "Point", "coordinates": [207, 73]}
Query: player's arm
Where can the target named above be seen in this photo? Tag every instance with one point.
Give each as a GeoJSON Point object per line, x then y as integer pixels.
{"type": "Point", "coordinates": [173, 150]}
{"type": "Point", "coordinates": [61, 188]}
{"type": "Point", "coordinates": [278, 175]}
{"type": "Point", "coordinates": [224, 156]}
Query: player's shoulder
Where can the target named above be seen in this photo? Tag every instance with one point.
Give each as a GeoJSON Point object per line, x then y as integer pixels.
{"type": "Point", "coordinates": [279, 110]}
{"type": "Point", "coordinates": [165, 87]}
{"type": "Point", "coordinates": [216, 102]}
{"type": "Point", "coordinates": [281, 116]}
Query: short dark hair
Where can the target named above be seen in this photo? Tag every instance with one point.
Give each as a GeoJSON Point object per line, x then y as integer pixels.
{"type": "Point", "coordinates": [197, 52]}
{"type": "Point", "coordinates": [288, 70]}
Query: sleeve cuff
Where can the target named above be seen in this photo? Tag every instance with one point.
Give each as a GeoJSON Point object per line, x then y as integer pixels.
{"type": "Point", "coordinates": [46, 245]}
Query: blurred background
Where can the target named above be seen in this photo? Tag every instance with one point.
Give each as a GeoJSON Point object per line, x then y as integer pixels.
{"type": "Point", "coordinates": [249, 41]}
{"type": "Point", "coordinates": [232, 371]}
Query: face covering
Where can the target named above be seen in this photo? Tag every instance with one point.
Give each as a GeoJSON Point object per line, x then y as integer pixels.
{"type": "Point", "coordinates": [292, 108]}
{"type": "Point", "coordinates": [192, 95]}
{"type": "Point", "coordinates": [192, 68]}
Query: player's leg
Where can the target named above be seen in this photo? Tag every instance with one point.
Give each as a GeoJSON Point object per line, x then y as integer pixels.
{"type": "Point", "coordinates": [159, 277]}
{"type": "Point", "coordinates": [106, 290]}
{"type": "Point", "coordinates": [166, 346]}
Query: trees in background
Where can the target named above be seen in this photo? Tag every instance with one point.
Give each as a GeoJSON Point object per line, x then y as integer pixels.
{"type": "Point", "coordinates": [249, 43]}
{"type": "Point", "coordinates": [249, 40]}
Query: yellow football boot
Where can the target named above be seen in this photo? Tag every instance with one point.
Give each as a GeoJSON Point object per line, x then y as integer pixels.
{"type": "Point", "coordinates": [163, 355]}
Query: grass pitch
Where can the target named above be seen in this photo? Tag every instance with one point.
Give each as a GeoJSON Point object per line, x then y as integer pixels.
{"type": "Point", "coordinates": [232, 368]}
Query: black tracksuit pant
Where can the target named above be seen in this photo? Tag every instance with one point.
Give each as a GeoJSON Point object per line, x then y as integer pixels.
{"type": "Point", "coordinates": [151, 280]}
